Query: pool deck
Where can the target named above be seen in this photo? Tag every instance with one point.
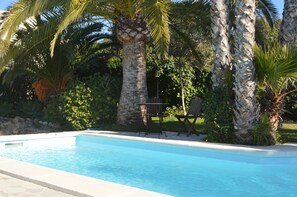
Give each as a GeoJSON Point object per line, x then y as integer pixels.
{"type": "Point", "coordinates": [24, 179]}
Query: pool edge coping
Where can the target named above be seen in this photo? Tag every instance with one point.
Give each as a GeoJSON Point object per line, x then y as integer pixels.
{"type": "Point", "coordinates": [287, 148]}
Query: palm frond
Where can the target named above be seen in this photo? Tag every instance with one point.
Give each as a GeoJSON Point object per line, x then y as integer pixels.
{"type": "Point", "coordinates": [21, 11]}
{"type": "Point", "coordinates": [192, 14]}
{"type": "Point", "coordinates": [268, 10]}
{"type": "Point", "coordinates": [190, 43]}
{"type": "Point", "coordinates": [72, 13]}
{"type": "Point", "coordinates": [156, 12]}
{"type": "Point", "coordinates": [275, 65]}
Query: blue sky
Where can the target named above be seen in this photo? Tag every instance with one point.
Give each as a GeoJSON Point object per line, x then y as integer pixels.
{"type": "Point", "coordinates": [5, 3]}
{"type": "Point", "coordinates": [279, 4]}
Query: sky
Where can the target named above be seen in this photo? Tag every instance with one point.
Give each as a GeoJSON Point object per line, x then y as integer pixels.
{"type": "Point", "coordinates": [279, 4]}
{"type": "Point", "coordinates": [5, 3]}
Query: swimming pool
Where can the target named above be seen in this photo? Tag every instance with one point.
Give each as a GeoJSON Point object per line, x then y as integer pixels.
{"type": "Point", "coordinates": [168, 169]}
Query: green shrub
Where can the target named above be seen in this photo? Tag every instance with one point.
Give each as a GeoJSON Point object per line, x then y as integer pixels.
{"type": "Point", "coordinates": [174, 110]}
{"type": "Point", "coordinates": [77, 106]}
{"type": "Point", "coordinates": [86, 104]}
{"type": "Point", "coordinates": [29, 109]}
{"type": "Point", "coordinates": [53, 112]}
{"type": "Point", "coordinates": [7, 109]}
{"type": "Point", "coordinates": [218, 116]}
{"type": "Point", "coordinates": [261, 133]}
{"type": "Point", "coordinates": [105, 91]}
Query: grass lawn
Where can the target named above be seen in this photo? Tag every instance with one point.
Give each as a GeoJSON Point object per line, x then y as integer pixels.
{"type": "Point", "coordinates": [288, 132]}
{"type": "Point", "coordinates": [169, 124]}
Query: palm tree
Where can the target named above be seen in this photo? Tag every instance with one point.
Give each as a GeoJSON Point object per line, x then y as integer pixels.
{"type": "Point", "coordinates": [135, 20]}
{"type": "Point", "coordinates": [244, 12]}
{"type": "Point", "coordinates": [220, 40]}
{"type": "Point", "coordinates": [222, 12]}
{"type": "Point", "coordinates": [246, 113]}
{"type": "Point", "coordinates": [30, 53]}
{"type": "Point", "coordinates": [276, 68]}
{"type": "Point", "coordinates": [288, 31]}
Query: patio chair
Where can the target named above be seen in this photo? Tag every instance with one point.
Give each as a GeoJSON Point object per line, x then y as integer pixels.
{"type": "Point", "coordinates": [188, 121]}
{"type": "Point", "coordinates": [154, 108]}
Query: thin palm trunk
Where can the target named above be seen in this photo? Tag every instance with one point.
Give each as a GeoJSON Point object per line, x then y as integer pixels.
{"type": "Point", "coordinates": [274, 115]}
{"type": "Point", "coordinates": [288, 29]}
{"type": "Point", "coordinates": [220, 40]}
{"type": "Point", "coordinates": [246, 112]}
{"type": "Point", "coordinates": [272, 103]}
{"type": "Point", "coordinates": [133, 34]}
{"type": "Point", "coordinates": [182, 89]}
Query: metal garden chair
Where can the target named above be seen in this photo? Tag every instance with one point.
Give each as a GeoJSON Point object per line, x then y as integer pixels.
{"type": "Point", "coordinates": [188, 121]}
{"type": "Point", "coordinates": [154, 108]}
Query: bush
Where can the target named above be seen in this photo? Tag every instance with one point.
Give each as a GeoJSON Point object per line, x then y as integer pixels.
{"type": "Point", "coordinates": [105, 94]}
{"type": "Point", "coordinates": [174, 110]}
{"type": "Point", "coordinates": [261, 133]}
{"type": "Point", "coordinates": [218, 116]}
{"type": "Point", "coordinates": [7, 110]}
{"type": "Point", "coordinates": [77, 106]}
{"type": "Point", "coordinates": [86, 104]}
{"type": "Point", "coordinates": [53, 112]}
{"type": "Point", "coordinates": [29, 109]}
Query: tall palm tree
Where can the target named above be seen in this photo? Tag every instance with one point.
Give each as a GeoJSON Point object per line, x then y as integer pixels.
{"type": "Point", "coordinates": [222, 12]}
{"type": "Point", "coordinates": [288, 31]}
{"type": "Point", "coordinates": [136, 20]}
{"type": "Point", "coordinates": [244, 14]}
{"type": "Point", "coordinates": [220, 40]}
{"type": "Point", "coordinates": [246, 111]}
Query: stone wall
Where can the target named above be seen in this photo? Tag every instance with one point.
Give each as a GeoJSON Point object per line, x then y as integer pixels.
{"type": "Point", "coordinates": [17, 125]}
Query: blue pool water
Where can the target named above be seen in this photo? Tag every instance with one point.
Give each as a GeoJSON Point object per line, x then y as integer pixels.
{"type": "Point", "coordinates": [173, 170]}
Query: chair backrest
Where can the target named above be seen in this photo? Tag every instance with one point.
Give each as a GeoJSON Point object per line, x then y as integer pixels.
{"type": "Point", "coordinates": [155, 109]}
{"type": "Point", "coordinates": [195, 106]}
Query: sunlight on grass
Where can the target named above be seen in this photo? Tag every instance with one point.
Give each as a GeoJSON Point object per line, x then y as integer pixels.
{"type": "Point", "coordinates": [288, 132]}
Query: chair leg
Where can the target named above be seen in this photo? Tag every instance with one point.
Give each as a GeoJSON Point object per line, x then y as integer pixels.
{"type": "Point", "coordinates": [148, 122]}
{"type": "Point", "coordinates": [182, 122]}
{"type": "Point", "coordinates": [161, 127]}
{"type": "Point", "coordinates": [192, 127]}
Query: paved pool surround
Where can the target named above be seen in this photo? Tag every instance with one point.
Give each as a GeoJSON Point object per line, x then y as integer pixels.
{"type": "Point", "coordinates": [78, 185]}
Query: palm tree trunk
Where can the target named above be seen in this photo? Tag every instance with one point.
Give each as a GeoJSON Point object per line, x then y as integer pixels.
{"type": "Point", "coordinates": [272, 104]}
{"type": "Point", "coordinates": [246, 112]}
{"type": "Point", "coordinates": [220, 40]}
{"type": "Point", "coordinates": [134, 88]}
{"type": "Point", "coordinates": [288, 29]}
{"type": "Point", "coordinates": [274, 115]}
{"type": "Point", "coordinates": [133, 34]}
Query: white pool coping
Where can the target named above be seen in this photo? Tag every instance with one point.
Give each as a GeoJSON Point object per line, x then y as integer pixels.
{"type": "Point", "coordinates": [286, 149]}
{"type": "Point", "coordinates": [79, 185]}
